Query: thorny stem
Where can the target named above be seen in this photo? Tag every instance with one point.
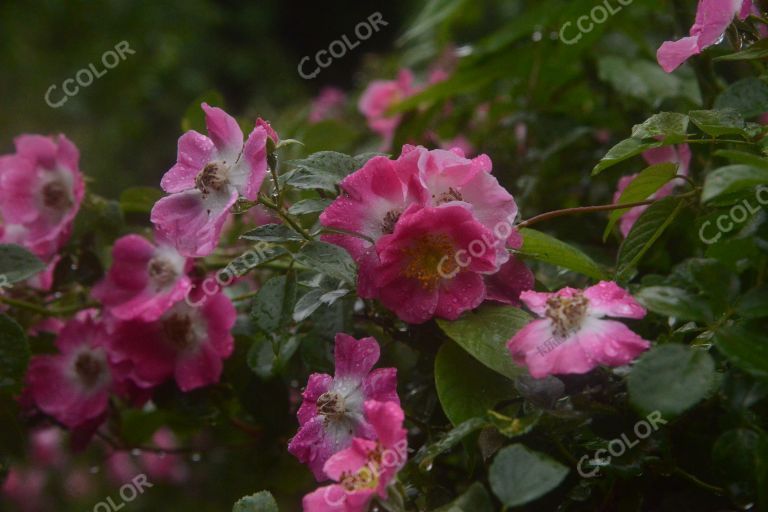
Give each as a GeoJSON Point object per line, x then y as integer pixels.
{"type": "Point", "coordinates": [588, 209]}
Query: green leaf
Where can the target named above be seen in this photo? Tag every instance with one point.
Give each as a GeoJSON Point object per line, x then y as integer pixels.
{"type": "Point", "coordinates": [325, 169]}
{"type": "Point", "coordinates": [675, 302]}
{"type": "Point", "coordinates": [194, 117]}
{"type": "Point", "coordinates": [267, 357]}
{"type": "Point", "coordinates": [252, 258]}
{"type": "Point", "coordinates": [647, 229]}
{"type": "Point", "coordinates": [645, 184]}
{"type": "Point", "coordinates": [313, 299]}
{"type": "Point", "coordinates": [742, 157]}
{"type": "Point", "coordinates": [748, 97]}
{"type": "Point", "coordinates": [759, 50]}
{"type": "Point", "coordinates": [744, 348]}
{"type": "Point", "coordinates": [463, 398]}
{"type": "Point", "coordinates": [519, 475]}
{"type": "Point", "coordinates": [14, 355]}
{"type": "Point", "coordinates": [428, 453]}
{"type": "Point", "coordinates": [719, 122]}
{"type": "Point", "coordinates": [17, 264]}
{"type": "Point", "coordinates": [328, 259]}
{"type": "Point", "coordinates": [731, 179]}
{"type": "Point", "coordinates": [754, 303]}
{"type": "Point", "coordinates": [273, 233]}
{"type": "Point", "coordinates": [670, 126]}
{"type": "Point", "coordinates": [624, 150]}
{"type": "Point", "coordinates": [259, 502]}
{"type": "Point", "coordinates": [641, 79]}
{"type": "Point", "coordinates": [671, 379]}
{"type": "Point", "coordinates": [514, 427]}
{"type": "Point", "coordinates": [475, 499]}
{"type": "Point", "coordinates": [542, 247]}
{"type": "Point", "coordinates": [484, 333]}
{"type": "Point", "coordinates": [139, 199]}
{"type": "Point", "coordinates": [736, 459]}
{"type": "Point", "coordinates": [307, 206]}
{"type": "Point", "coordinates": [273, 305]}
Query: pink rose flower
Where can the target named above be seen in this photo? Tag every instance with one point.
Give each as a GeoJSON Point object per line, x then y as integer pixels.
{"type": "Point", "coordinates": [572, 334]}
{"type": "Point", "coordinates": [74, 385]}
{"type": "Point", "coordinates": [432, 264]}
{"type": "Point", "coordinates": [378, 97]}
{"type": "Point", "coordinates": [209, 175]}
{"type": "Point", "coordinates": [188, 343]}
{"type": "Point", "coordinates": [327, 104]}
{"type": "Point", "coordinates": [26, 488]}
{"type": "Point", "coordinates": [680, 155]}
{"type": "Point", "coordinates": [41, 190]}
{"type": "Point", "coordinates": [331, 414]}
{"type": "Point", "coordinates": [367, 467]}
{"type": "Point", "coordinates": [712, 19]}
{"type": "Point", "coordinates": [144, 280]}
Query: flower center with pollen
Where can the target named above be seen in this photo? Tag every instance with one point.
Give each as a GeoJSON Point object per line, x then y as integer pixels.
{"type": "Point", "coordinates": [161, 272]}
{"type": "Point", "coordinates": [178, 331]}
{"type": "Point", "coordinates": [331, 405]}
{"type": "Point", "coordinates": [430, 259]}
{"type": "Point", "coordinates": [567, 313]}
{"type": "Point", "coordinates": [390, 219]}
{"type": "Point", "coordinates": [56, 196]}
{"type": "Point", "coordinates": [366, 477]}
{"type": "Point", "coordinates": [89, 369]}
{"type": "Point", "coordinates": [212, 178]}
{"type": "Point", "coordinates": [446, 197]}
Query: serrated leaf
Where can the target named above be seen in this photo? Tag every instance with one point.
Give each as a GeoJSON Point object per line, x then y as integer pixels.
{"type": "Point", "coordinates": [267, 356]}
{"type": "Point", "coordinates": [647, 229]}
{"type": "Point", "coordinates": [325, 169]}
{"type": "Point", "coordinates": [328, 259]}
{"type": "Point", "coordinates": [719, 122]}
{"type": "Point", "coordinates": [675, 302]}
{"type": "Point", "coordinates": [475, 499]}
{"type": "Point", "coordinates": [670, 126]}
{"type": "Point", "coordinates": [430, 452]}
{"type": "Point", "coordinates": [17, 264]}
{"type": "Point", "coordinates": [519, 475]}
{"type": "Point", "coordinates": [313, 299]}
{"type": "Point", "coordinates": [464, 398]}
{"type": "Point", "coordinates": [624, 150]}
{"type": "Point", "coordinates": [642, 187]}
{"type": "Point", "coordinates": [671, 379]}
{"type": "Point", "coordinates": [745, 348]}
{"type": "Point", "coordinates": [273, 304]}
{"type": "Point", "coordinates": [485, 332]}
{"type": "Point", "coordinates": [307, 206]}
{"type": "Point", "coordinates": [731, 179]}
{"type": "Point", "coordinates": [273, 233]}
{"type": "Point", "coordinates": [259, 502]}
{"type": "Point", "coordinates": [542, 247]}
{"type": "Point", "coordinates": [742, 157]}
{"type": "Point", "coordinates": [748, 97]}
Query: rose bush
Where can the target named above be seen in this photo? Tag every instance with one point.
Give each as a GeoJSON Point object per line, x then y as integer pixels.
{"type": "Point", "coordinates": [398, 335]}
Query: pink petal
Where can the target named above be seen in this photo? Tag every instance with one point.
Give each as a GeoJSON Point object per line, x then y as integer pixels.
{"type": "Point", "coordinates": [672, 54]}
{"type": "Point", "coordinates": [225, 133]}
{"type": "Point", "coordinates": [464, 292]}
{"type": "Point", "coordinates": [355, 358]}
{"type": "Point", "coordinates": [609, 299]}
{"type": "Point", "coordinates": [194, 153]}
{"type": "Point", "coordinates": [505, 286]}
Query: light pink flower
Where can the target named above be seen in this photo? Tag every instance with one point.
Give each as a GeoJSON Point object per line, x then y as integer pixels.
{"type": "Point", "coordinates": [186, 342]}
{"type": "Point", "coordinates": [74, 385]}
{"type": "Point", "coordinates": [427, 268]}
{"type": "Point", "coordinates": [712, 19]}
{"type": "Point", "coordinates": [144, 280]}
{"type": "Point", "coordinates": [327, 104]}
{"type": "Point", "coordinates": [47, 447]}
{"type": "Point", "coordinates": [367, 467]}
{"type": "Point", "coordinates": [209, 175]}
{"type": "Point", "coordinates": [680, 155]}
{"type": "Point", "coordinates": [572, 334]}
{"type": "Point", "coordinates": [164, 467]}
{"type": "Point", "coordinates": [378, 97]}
{"type": "Point", "coordinates": [26, 488]}
{"type": "Point", "coordinates": [332, 411]}
{"type": "Point", "coordinates": [41, 190]}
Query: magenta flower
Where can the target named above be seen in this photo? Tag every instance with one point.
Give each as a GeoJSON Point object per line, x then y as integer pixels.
{"type": "Point", "coordinates": [712, 19]}
{"type": "Point", "coordinates": [327, 104]}
{"type": "Point", "coordinates": [188, 343]}
{"type": "Point", "coordinates": [331, 414]}
{"type": "Point", "coordinates": [144, 280]}
{"type": "Point", "coordinates": [367, 467]}
{"type": "Point", "coordinates": [73, 386]}
{"type": "Point", "coordinates": [432, 264]}
{"type": "Point", "coordinates": [378, 97]}
{"type": "Point", "coordinates": [449, 177]}
{"type": "Point", "coordinates": [41, 190]}
{"type": "Point", "coordinates": [209, 175]}
{"type": "Point", "coordinates": [680, 155]}
{"type": "Point", "coordinates": [572, 335]}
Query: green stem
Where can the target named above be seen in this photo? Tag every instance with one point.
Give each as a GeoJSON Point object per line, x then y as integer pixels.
{"type": "Point", "coordinates": [45, 311]}
{"type": "Point", "coordinates": [287, 219]}
{"type": "Point", "coordinates": [696, 481]}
